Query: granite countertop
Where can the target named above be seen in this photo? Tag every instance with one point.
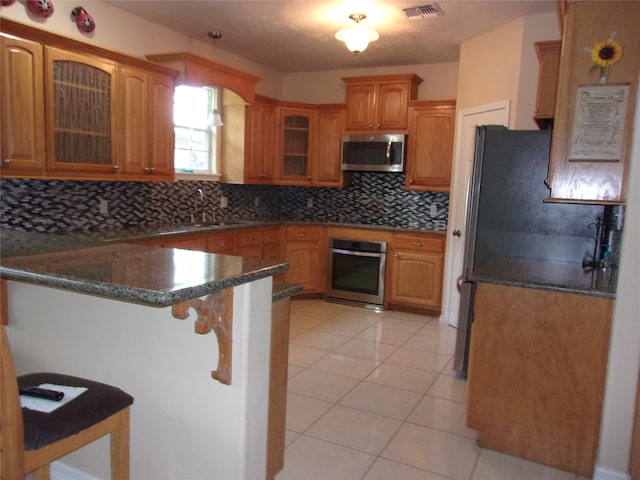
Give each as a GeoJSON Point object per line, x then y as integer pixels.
{"type": "Point", "coordinates": [568, 277]}
{"type": "Point", "coordinates": [140, 232]}
{"type": "Point", "coordinates": [146, 275]}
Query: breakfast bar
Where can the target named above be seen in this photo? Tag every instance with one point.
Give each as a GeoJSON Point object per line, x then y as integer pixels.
{"type": "Point", "coordinates": [186, 333]}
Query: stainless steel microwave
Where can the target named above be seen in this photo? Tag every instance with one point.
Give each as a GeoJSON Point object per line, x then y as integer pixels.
{"type": "Point", "coordinates": [374, 152]}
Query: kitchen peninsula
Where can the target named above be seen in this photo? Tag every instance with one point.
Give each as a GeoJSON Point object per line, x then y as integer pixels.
{"type": "Point", "coordinates": [123, 314]}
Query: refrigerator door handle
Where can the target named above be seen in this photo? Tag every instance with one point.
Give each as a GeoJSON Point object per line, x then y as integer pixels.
{"type": "Point", "coordinates": [459, 283]}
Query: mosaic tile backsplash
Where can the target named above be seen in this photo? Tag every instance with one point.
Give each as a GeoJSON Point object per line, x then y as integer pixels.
{"type": "Point", "coordinates": [57, 206]}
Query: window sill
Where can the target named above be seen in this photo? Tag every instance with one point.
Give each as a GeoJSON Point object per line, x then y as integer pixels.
{"type": "Point", "coordinates": [210, 177]}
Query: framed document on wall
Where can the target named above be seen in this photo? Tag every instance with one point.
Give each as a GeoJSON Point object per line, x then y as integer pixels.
{"type": "Point", "coordinates": [599, 123]}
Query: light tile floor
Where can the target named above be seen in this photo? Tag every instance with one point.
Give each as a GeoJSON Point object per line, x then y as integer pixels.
{"type": "Point", "coordinates": [372, 396]}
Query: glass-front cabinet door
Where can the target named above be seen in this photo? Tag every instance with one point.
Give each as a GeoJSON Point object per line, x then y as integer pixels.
{"type": "Point", "coordinates": [296, 139]}
{"type": "Point", "coordinates": [80, 112]}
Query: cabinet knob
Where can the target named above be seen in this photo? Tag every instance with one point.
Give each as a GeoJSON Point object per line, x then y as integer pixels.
{"type": "Point", "coordinates": [6, 161]}
{"type": "Point", "coordinates": [457, 233]}
{"type": "Point", "coordinates": [149, 170]}
{"type": "Point", "coordinates": [302, 235]}
{"type": "Point", "coordinates": [309, 178]}
{"type": "Point", "coordinates": [116, 167]}
{"type": "Point", "coordinates": [379, 125]}
{"type": "Point", "coordinates": [335, 178]}
{"type": "Point", "coordinates": [411, 181]}
{"type": "Point", "coordinates": [371, 125]}
{"type": "Point", "coordinates": [417, 244]}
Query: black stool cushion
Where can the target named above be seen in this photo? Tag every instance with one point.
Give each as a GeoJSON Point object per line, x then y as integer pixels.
{"type": "Point", "coordinates": [100, 401]}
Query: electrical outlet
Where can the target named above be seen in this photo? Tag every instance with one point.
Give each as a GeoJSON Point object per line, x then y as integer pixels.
{"type": "Point", "coordinates": [104, 207]}
{"type": "Point", "coordinates": [224, 202]}
{"type": "Point", "coordinates": [433, 210]}
{"type": "Point", "coordinates": [310, 202]}
{"type": "Point", "coordinates": [256, 202]}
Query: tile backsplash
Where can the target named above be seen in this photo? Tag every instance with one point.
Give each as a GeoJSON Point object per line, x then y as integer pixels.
{"type": "Point", "coordinates": [56, 205]}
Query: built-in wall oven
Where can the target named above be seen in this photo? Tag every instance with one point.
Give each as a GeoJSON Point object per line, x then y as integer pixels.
{"type": "Point", "coordinates": [356, 272]}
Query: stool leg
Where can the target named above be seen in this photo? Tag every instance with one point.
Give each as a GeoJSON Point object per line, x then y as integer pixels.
{"type": "Point", "coordinates": [43, 473]}
{"type": "Point", "coordinates": [120, 448]}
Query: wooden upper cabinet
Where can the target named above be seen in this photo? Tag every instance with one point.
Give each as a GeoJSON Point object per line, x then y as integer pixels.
{"type": "Point", "coordinates": [379, 102]}
{"type": "Point", "coordinates": [296, 141]}
{"type": "Point", "coordinates": [260, 143]}
{"type": "Point", "coordinates": [71, 110]}
{"type": "Point", "coordinates": [22, 139]}
{"type": "Point", "coordinates": [430, 148]}
{"type": "Point", "coordinates": [330, 127]}
{"type": "Point", "coordinates": [80, 113]}
{"type": "Point", "coordinates": [146, 123]}
{"type": "Point", "coordinates": [161, 132]}
{"type": "Point", "coordinates": [594, 180]}
{"type": "Point", "coordinates": [549, 58]}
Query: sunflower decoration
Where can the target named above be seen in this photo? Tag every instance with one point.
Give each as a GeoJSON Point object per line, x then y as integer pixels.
{"type": "Point", "coordinates": [603, 55]}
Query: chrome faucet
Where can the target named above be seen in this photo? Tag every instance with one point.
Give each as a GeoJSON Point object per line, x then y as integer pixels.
{"type": "Point", "coordinates": [196, 204]}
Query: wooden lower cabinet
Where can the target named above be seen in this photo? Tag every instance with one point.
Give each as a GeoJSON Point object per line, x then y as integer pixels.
{"type": "Point", "coordinates": [305, 252]}
{"type": "Point", "coordinates": [250, 244]}
{"type": "Point", "coordinates": [187, 243]}
{"type": "Point", "coordinates": [416, 266]}
{"type": "Point", "coordinates": [537, 366]}
{"type": "Point", "coordinates": [221, 243]}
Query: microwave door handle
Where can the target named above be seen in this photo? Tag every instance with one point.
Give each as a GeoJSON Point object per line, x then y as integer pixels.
{"type": "Point", "coordinates": [388, 154]}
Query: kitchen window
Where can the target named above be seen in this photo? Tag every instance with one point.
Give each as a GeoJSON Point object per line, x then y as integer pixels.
{"type": "Point", "coordinates": [197, 145]}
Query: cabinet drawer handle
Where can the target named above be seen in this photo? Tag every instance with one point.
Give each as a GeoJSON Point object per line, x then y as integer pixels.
{"type": "Point", "coordinates": [149, 170]}
{"type": "Point", "coordinates": [6, 161]}
{"type": "Point", "coordinates": [417, 244]}
{"type": "Point", "coordinates": [302, 235]}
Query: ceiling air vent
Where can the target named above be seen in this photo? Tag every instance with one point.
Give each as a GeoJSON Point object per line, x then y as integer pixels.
{"type": "Point", "coordinates": [424, 11]}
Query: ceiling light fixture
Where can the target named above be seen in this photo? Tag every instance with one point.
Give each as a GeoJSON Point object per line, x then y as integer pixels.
{"type": "Point", "coordinates": [357, 38]}
{"type": "Point", "coordinates": [215, 119]}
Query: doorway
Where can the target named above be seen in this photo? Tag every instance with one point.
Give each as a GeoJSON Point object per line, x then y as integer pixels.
{"type": "Point", "coordinates": [466, 122]}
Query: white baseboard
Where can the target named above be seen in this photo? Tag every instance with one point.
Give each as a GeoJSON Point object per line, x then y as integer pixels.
{"type": "Point", "coordinates": [601, 473]}
{"type": "Point", "coordinates": [62, 471]}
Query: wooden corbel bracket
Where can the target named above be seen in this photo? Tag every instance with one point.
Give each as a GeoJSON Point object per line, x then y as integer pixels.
{"type": "Point", "coordinates": [215, 312]}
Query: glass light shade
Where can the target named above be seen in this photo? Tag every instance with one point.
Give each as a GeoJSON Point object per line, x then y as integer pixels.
{"type": "Point", "coordinates": [357, 38]}
{"type": "Point", "coordinates": [215, 120]}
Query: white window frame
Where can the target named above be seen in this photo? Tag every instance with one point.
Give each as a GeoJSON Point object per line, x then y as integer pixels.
{"type": "Point", "coordinates": [213, 135]}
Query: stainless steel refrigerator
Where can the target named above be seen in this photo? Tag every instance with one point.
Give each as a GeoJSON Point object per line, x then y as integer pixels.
{"type": "Point", "coordinates": [507, 216]}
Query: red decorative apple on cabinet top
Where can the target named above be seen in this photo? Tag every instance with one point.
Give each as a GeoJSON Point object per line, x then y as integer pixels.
{"type": "Point", "coordinates": [84, 21]}
{"type": "Point", "coordinates": [41, 8]}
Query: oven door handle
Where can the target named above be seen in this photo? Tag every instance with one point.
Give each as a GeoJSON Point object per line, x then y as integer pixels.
{"type": "Point", "coordinates": [358, 254]}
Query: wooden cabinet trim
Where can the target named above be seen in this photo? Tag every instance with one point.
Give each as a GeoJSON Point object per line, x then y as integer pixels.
{"type": "Point", "coordinates": [202, 72]}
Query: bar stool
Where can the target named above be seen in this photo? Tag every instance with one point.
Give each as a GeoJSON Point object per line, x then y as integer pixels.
{"type": "Point", "coordinates": [31, 440]}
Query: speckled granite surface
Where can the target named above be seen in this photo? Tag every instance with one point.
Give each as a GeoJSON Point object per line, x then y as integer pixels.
{"type": "Point", "coordinates": [146, 275]}
{"type": "Point", "coordinates": [557, 276]}
{"type": "Point", "coordinates": [148, 231]}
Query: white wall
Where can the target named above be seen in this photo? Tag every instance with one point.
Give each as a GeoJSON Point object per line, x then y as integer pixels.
{"type": "Point", "coordinates": [120, 31]}
{"type": "Point", "coordinates": [184, 424]}
{"type": "Point", "coordinates": [502, 65]}
{"type": "Point", "coordinates": [624, 356]}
